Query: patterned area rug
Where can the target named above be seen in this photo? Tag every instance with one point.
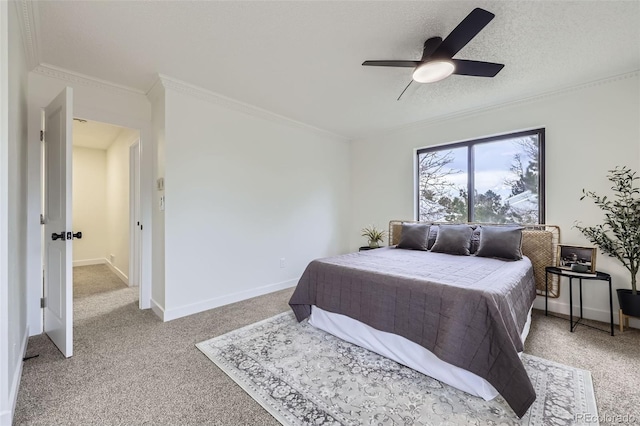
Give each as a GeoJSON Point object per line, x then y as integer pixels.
{"type": "Point", "coordinates": [302, 376]}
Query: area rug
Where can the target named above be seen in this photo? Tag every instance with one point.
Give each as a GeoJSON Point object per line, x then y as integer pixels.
{"type": "Point", "coordinates": [303, 376]}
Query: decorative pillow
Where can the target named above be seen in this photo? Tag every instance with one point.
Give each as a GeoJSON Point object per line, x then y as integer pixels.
{"type": "Point", "coordinates": [414, 236]}
{"type": "Point", "coordinates": [453, 239]}
{"type": "Point", "coordinates": [504, 242]}
{"type": "Point", "coordinates": [475, 240]}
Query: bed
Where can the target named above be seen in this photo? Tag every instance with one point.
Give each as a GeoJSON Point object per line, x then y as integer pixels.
{"type": "Point", "coordinates": [459, 319]}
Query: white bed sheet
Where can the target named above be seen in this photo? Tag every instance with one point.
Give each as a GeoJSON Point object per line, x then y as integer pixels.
{"type": "Point", "coordinates": [405, 351]}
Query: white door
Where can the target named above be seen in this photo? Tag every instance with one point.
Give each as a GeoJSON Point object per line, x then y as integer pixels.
{"type": "Point", "coordinates": [58, 256]}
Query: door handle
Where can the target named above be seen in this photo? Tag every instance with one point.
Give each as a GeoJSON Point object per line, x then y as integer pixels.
{"type": "Point", "coordinates": [55, 236]}
{"type": "Point", "coordinates": [77, 235]}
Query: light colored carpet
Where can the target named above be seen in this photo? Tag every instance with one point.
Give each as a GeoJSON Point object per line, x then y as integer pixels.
{"type": "Point", "coordinates": [129, 368]}
{"type": "Point", "coordinates": [304, 376]}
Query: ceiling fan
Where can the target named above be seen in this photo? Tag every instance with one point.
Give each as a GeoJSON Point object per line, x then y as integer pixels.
{"type": "Point", "coordinates": [437, 61]}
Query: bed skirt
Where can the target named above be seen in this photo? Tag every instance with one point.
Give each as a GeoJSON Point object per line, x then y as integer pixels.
{"type": "Point", "coordinates": [405, 351]}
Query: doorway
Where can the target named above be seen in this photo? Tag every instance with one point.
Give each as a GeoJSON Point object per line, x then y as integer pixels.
{"type": "Point", "coordinates": [106, 199]}
{"type": "Point", "coordinates": [49, 294]}
{"type": "Point", "coordinates": [97, 204]}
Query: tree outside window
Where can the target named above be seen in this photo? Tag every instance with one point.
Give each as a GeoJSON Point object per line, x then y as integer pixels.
{"type": "Point", "coordinates": [491, 180]}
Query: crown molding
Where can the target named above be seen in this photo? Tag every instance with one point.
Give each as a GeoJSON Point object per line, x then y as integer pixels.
{"type": "Point", "coordinates": [226, 102]}
{"type": "Point", "coordinates": [28, 17]}
{"type": "Point", "coordinates": [28, 12]}
{"type": "Point", "coordinates": [84, 80]}
{"type": "Point", "coordinates": [489, 108]}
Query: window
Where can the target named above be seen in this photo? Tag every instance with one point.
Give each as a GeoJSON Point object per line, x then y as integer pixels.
{"type": "Point", "coordinates": [491, 180]}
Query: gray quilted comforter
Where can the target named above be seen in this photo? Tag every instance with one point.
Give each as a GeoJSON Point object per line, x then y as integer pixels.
{"type": "Point", "coordinates": [469, 311]}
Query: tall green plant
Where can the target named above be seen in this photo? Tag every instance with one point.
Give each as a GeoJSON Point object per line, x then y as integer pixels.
{"type": "Point", "coordinates": [619, 235]}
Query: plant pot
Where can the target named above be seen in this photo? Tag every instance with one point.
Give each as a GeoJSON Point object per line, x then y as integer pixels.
{"type": "Point", "coordinates": [373, 244]}
{"type": "Point", "coordinates": [629, 303]}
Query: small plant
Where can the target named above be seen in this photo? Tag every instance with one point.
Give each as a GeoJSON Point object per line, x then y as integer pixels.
{"type": "Point", "coordinates": [619, 235]}
{"type": "Point", "coordinates": [374, 235]}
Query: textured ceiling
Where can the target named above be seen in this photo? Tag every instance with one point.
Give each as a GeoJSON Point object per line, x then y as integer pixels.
{"type": "Point", "coordinates": [96, 135]}
{"type": "Point", "coordinates": [302, 59]}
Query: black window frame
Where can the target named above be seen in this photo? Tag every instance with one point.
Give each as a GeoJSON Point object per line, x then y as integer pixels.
{"type": "Point", "coordinates": [471, 168]}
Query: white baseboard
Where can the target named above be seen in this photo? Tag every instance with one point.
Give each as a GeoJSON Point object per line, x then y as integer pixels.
{"type": "Point", "coordinates": [194, 308]}
{"type": "Point", "coordinates": [6, 417]}
{"type": "Point", "coordinates": [87, 262]}
{"type": "Point", "coordinates": [157, 309]}
{"type": "Point", "coordinates": [118, 272]}
{"type": "Point", "coordinates": [558, 307]}
{"type": "Point", "coordinates": [102, 261]}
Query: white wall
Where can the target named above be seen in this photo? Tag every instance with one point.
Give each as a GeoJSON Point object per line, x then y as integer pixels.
{"type": "Point", "coordinates": [101, 204]}
{"type": "Point", "coordinates": [157, 98]}
{"type": "Point", "coordinates": [242, 192]}
{"type": "Point", "coordinates": [589, 130]}
{"type": "Point", "coordinates": [117, 200]}
{"type": "Point", "coordinates": [13, 208]}
{"type": "Point", "coordinates": [93, 100]}
{"type": "Point", "coordinates": [90, 205]}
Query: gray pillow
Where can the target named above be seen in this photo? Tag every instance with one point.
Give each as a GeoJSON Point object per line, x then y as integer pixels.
{"type": "Point", "coordinates": [504, 242]}
{"type": "Point", "coordinates": [453, 239]}
{"type": "Point", "coordinates": [414, 236]}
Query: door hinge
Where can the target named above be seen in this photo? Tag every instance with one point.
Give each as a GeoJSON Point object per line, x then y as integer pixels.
{"type": "Point", "coordinates": [141, 227]}
{"type": "Point", "coordinates": [41, 135]}
{"type": "Point", "coordinates": [42, 304]}
{"type": "Point", "coordinates": [42, 222]}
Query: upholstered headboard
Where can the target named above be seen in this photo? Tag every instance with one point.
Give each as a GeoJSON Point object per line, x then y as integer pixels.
{"type": "Point", "coordinates": [539, 244]}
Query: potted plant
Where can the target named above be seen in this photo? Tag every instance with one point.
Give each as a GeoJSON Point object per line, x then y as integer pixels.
{"type": "Point", "coordinates": [619, 235]}
{"type": "Point", "coordinates": [374, 235]}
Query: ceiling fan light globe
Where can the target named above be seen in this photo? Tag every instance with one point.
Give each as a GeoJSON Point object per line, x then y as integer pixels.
{"type": "Point", "coordinates": [433, 71]}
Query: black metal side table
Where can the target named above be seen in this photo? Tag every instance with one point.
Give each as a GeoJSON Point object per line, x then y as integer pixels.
{"type": "Point", "coordinates": [365, 248]}
{"type": "Point", "coordinates": [602, 276]}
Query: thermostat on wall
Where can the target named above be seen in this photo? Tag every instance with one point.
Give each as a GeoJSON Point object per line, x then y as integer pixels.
{"type": "Point", "coordinates": [160, 184]}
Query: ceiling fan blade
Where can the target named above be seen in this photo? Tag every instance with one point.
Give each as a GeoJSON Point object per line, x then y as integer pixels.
{"type": "Point", "coordinates": [430, 46]}
{"type": "Point", "coordinates": [476, 68]}
{"type": "Point", "coordinates": [408, 64]}
{"type": "Point", "coordinates": [405, 90]}
{"type": "Point", "coordinates": [463, 33]}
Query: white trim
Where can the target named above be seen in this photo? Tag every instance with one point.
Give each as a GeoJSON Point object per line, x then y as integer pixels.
{"type": "Point", "coordinates": [15, 386]}
{"type": "Point", "coordinates": [117, 271]}
{"type": "Point", "coordinates": [6, 412]}
{"type": "Point", "coordinates": [475, 138]}
{"type": "Point", "coordinates": [194, 308]}
{"type": "Point", "coordinates": [559, 307]}
{"type": "Point", "coordinates": [156, 90]}
{"type": "Point", "coordinates": [87, 262]}
{"type": "Point", "coordinates": [6, 416]}
{"type": "Point", "coordinates": [84, 80]}
{"type": "Point", "coordinates": [103, 261]}
{"type": "Point", "coordinates": [95, 113]}
{"type": "Point", "coordinates": [556, 306]}
{"type": "Point", "coordinates": [183, 87]}
{"type": "Point", "coordinates": [235, 105]}
{"type": "Point", "coordinates": [157, 309]}
{"type": "Point", "coordinates": [489, 108]}
{"type": "Point", "coordinates": [134, 212]}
